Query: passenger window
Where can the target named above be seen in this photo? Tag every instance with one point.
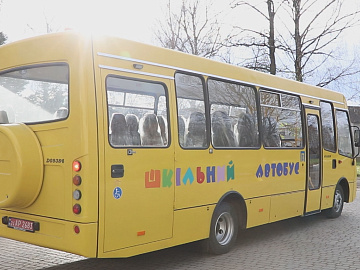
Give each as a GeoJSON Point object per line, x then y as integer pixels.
{"type": "Point", "coordinates": [281, 120]}
{"type": "Point", "coordinates": [137, 113]}
{"type": "Point", "coordinates": [233, 115]}
{"type": "Point", "coordinates": [327, 124]}
{"type": "Point", "coordinates": [343, 130]}
{"type": "Point", "coordinates": [192, 129]}
{"type": "Point", "coordinates": [270, 99]}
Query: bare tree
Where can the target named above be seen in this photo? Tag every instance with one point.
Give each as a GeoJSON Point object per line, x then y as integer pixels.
{"type": "Point", "coordinates": [304, 46]}
{"type": "Point", "coordinates": [49, 25]}
{"type": "Point", "coordinates": [191, 29]}
{"type": "Point", "coordinates": [314, 34]}
{"type": "Point", "coordinates": [261, 42]}
{"type": "Point", "coordinates": [3, 38]}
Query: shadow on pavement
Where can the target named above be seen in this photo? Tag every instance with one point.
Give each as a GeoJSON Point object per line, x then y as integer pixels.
{"type": "Point", "coordinates": [188, 256]}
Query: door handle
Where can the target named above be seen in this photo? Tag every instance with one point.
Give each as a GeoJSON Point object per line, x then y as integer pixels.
{"type": "Point", "coordinates": [334, 163]}
{"type": "Point", "coordinates": [117, 171]}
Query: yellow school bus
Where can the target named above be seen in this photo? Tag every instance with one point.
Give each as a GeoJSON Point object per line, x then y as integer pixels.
{"type": "Point", "coordinates": [112, 148]}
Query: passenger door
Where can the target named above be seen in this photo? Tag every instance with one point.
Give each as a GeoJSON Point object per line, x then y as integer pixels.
{"type": "Point", "coordinates": [314, 162]}
{"type": "Point", "coordinates": [138, 177]}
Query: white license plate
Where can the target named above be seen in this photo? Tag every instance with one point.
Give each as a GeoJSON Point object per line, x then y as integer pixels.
{"type": "Point", "coordinates": [21, 224]}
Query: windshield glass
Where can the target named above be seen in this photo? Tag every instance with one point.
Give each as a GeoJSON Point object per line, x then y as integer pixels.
{"type": "Point", "coordinates": [34, 94]}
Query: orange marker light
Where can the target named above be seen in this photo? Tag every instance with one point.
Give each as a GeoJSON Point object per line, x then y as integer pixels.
{"type": "Point", "coordinates": [77, 180]}
{"type": "Point", "coordinates": [141, 233]}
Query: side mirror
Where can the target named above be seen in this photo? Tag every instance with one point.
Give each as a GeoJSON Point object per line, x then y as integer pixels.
{"type": "Point", "coordinates": [357, 137]}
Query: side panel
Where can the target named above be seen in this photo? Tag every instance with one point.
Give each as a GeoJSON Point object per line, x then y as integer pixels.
{"type": "Point", "coordinates": [286, 206]}
{"type": "Point", "coordinates": [137, 206]}
{"type": "Point", "coordinates": [192, 224]}
{"type": "Point", "coordinates": [327, 197]}
{"type": "Point", "coordinates": [258, 211]}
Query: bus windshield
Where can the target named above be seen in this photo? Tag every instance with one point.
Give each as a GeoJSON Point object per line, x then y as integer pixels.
{"type": "Point", "coordinates": [34, 94]}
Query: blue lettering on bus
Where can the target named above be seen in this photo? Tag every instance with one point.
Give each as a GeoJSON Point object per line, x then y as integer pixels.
{"type": "Point", "coordinates": [188, 176]}
{"type": "Point", "coordinates": [277, 169]}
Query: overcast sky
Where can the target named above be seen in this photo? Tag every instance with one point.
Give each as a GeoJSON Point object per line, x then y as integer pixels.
{"type": "Point", "coordinates": [137, 19]}
{"type": "Point", "coordinates": [132, 19]}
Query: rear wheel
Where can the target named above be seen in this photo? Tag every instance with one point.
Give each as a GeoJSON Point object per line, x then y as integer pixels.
{"type": "Point", "coordinates": [223, 230]}
{"type": "Point", "coordinates": [338, 204]}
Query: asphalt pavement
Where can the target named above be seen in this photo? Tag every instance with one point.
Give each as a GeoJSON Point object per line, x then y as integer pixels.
{"type": "Point", "coordinates": [313, 242]}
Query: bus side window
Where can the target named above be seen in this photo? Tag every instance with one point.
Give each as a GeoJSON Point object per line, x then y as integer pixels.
{"type": "Point", "coordinates": [345, 146]}
{"type": "Point", "coordinates": [230, 104]}
{"type": "Point", "coordinates": [191, 106]}
{"type": "Point", "coordinates": [327, 124]}
{"type": "Point", "coordinates": [130, 100]}
{"type": "Point", "coordinates": [281, 120]}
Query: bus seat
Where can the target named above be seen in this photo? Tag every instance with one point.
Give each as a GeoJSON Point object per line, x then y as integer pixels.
{"type": "Point", "coordinates": [196, 136]}
{"type": "Point", "coordinates": [271, 136]}
{"type": "Point", "coordinates": [132, 122]}
{"type": "Point", "coordinates": [245, 131]}
{"type": "Point", "coordinates": [61, 113]}
{"type": "Point", "coordinates": [181, 130]}
{"type": "Point", "coordinates": [162, 126]}
{"type": "Point", "coordinates": [119, 130]}
{"type": "Point", "coordinates": [150, 131]}
{"type": "Point", "coordinates": [4, 117]}
{"type": "Point", "coordinates": [223, 136]}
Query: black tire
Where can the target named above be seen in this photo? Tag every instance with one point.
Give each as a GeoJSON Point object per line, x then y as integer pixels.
{"type": "Point", "coordinates": [338, 204]}
{"type": "Point", "coordinates": [223, 229]}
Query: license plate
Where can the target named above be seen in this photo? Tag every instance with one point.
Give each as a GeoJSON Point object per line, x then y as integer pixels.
{"type": "Point", "coordinates": [21, 224]}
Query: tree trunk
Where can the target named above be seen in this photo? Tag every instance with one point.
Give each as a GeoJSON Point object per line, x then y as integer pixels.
{"type": "Point", "coordinates": [297, 37]}
{"type": "Point", "coordinates": [271, 12]}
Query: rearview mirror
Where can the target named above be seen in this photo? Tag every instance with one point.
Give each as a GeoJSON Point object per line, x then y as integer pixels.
{"type": "Point", "coordinates": [357, 137]}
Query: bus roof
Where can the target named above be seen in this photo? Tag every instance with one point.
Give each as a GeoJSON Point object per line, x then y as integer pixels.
{"type": "Point", "coordinates": [61, 46]}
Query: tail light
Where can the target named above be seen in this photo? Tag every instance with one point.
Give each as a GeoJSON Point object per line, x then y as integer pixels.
{"type": "Point", "coordinates": [77, 180]}
{"type": "Point", "coordinates": [77, 209]}
{"type": "Point", "coordinates": [76, 229]}
{"type": "Point", "coordinates": [76, 166]}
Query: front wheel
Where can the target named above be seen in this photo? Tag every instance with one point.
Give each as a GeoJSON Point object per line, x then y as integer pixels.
{"type": "Point", "coordinates": [223, 230]}
{"type": "Point", "coordinates": [338, 204]}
